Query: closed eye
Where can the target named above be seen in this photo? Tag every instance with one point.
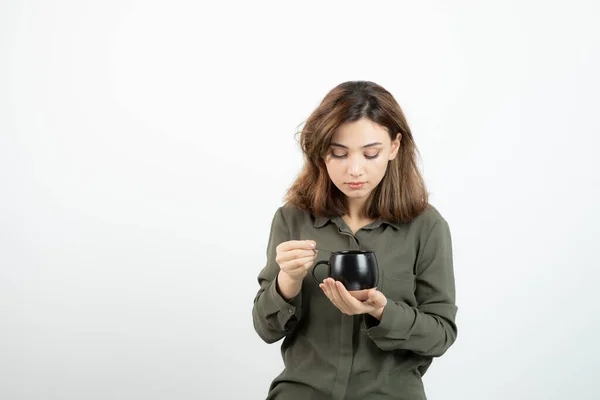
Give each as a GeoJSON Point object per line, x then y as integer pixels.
{"type": "Point", "coordinates": [345, 155]}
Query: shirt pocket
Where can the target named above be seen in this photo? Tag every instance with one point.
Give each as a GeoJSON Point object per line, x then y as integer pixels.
{"type": "Point", "coordinates": [399, 286]}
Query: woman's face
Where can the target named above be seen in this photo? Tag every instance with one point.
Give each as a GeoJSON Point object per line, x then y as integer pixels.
{"type": "Point", "coordinates": [359, 152]}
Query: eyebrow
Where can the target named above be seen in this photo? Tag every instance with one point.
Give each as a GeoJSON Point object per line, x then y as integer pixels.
{"type": "Point", "coordinates": [363, 147]}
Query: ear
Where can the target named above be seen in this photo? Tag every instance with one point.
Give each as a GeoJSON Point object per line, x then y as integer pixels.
{"type": "Point", "coordinates": [395, 146]}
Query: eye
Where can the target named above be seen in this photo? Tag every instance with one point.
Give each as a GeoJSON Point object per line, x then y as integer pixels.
{"type": "Point", "coordinates": [370, 157]}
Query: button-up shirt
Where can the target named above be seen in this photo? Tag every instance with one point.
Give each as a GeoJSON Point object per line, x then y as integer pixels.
{"type": "Point", "coordinates": [331, 355]}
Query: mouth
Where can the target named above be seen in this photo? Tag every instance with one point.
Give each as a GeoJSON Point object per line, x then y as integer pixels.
{"type": "Point", "coordinates": [355, 185]}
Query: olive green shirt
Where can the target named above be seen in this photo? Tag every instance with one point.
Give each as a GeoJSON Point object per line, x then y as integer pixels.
{"type": "Point", "coordinates": [331, 355]}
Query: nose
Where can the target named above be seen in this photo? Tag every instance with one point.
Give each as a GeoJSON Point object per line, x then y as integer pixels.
{"type": "Point", "coordinates": [355, 168]}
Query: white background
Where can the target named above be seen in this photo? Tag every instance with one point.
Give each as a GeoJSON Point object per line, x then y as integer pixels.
{"type": "Point", "coordinates": [144, 147]}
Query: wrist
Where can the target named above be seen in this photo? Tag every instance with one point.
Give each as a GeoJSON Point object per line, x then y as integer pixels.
{"type": "Point", "coordinates": [287, 286]}
{"type": "Point", "coordinates": [287, 278]}
{"type": "Point", "coordinates": [377, 313]}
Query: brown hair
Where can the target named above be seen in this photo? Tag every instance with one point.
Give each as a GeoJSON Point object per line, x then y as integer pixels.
{"type": "Point", "coordinates": [400, 196]}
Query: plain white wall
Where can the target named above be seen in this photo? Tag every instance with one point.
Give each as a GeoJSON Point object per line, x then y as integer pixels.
{"type": "Point", "coordinates": [144, 147]}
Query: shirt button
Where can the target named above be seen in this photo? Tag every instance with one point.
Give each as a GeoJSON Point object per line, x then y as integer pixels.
{"type": "Point", "coordinates": [290, 311]}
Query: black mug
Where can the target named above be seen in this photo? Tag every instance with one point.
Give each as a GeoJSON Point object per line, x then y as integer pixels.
{"type": "Point", "coordinates": [356, 269]}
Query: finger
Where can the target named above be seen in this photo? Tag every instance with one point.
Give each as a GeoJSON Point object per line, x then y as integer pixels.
{"type": "Point", "coordinates": [327, 288]}
{"type": "Point", "coordinates": [297, 263]}
{"type": "Point", "coordinates": [294, 254]}
{"type": "Point", "coordinates": [371, 298]}
{"type": "Point", "coordinates": [360, 295]}
{"type": "Point", "coordinates": [377, 298]}
{"type": "Point", "coordinates": [350, 302]}
{"type": "Point", "coordinates": [309, 263]}
{"type": "Point", "coordinates": [368, 301]}
{"type": "Point", "coordinates": [336, 298]}
{"type": "Point", "coordinates": [324, 288]}
{"type": "Point", "coordinates": [297, 244]}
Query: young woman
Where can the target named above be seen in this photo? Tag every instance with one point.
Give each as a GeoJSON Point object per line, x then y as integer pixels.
{"type": "Point", "coordinates": [360, 189]}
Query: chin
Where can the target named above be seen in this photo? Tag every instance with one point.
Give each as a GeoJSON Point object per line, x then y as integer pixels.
{"type": "Point", "coordinates": [357, 194]}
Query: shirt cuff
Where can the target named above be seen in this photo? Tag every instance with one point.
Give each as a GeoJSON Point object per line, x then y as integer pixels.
{"type": "Point", "coordinates": [393, 321]}
{"type": "Point", "coordinates": [285, 310]}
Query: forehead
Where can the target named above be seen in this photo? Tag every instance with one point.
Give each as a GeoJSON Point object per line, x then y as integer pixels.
{"type": "Point", "coordinates": [359, 133]}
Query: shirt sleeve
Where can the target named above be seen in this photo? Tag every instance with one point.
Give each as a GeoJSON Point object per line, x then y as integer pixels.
{"type": "Point", "coordinates": [430, 328]}
{"type": "Point", "coordinates": [272, 315]}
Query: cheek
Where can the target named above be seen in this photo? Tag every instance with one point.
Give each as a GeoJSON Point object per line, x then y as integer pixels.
{"type": "Point", "coordinates": [331, 170]}
{"type": "Point", "coordinates": [332, 166]}
{"type": "Point", "coordinates": [335, 175]}
{"type": "Point", "coordinates": [378, 161]}
{"type": "Point", "coordinates": [380, 167]}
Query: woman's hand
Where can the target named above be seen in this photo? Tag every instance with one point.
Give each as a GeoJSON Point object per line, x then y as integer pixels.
{"type": "Point", "coordinates": [370, 301]}
{"type": "Point", "coordinates": [295, 257]}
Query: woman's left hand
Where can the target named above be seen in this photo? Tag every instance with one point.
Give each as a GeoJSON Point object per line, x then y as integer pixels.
{"type": "Point", "coordinates": [369, 301]}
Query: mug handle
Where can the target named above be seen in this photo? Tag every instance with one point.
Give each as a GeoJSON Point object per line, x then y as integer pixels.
{"type": "Point", "coordinates": [315, 267]}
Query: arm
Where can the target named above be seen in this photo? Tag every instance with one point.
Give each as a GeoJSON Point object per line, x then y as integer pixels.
{"type": "Point", "coordinates": [288, 287]}
{"type": "Point", "coordinates": [277, 304]}
{"type": "Point", "coordinates": [428, 329]}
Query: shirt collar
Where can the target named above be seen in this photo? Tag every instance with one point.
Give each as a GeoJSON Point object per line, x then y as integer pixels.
{"type": "Point", "coordinates": [322, 221]}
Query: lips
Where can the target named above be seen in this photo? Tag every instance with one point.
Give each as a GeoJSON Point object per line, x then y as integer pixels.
{"type": "Point", "coordinates": [356, 185]}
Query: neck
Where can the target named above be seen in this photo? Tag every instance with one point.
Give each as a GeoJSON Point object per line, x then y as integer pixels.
{"type": "Point", "coordinates": [355, 210]}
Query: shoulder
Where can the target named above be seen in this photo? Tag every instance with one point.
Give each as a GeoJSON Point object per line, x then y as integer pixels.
{"type": "Point", "coordinates": [430, 217]}
{"type": "Point", "coordinates": [291, 215]}
{"type": "Point", "coordinates": [431, 214]}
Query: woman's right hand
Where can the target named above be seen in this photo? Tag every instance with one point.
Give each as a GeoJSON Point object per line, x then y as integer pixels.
{"type": "Point", "coordinates": [295, 257]}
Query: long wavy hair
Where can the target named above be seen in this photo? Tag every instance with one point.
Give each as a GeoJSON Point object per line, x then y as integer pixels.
{"type": "Point", "coordinates": [399, 197]}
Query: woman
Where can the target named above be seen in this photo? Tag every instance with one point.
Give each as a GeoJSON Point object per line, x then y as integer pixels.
{"type": "Point", "coordinates": [360, 189]}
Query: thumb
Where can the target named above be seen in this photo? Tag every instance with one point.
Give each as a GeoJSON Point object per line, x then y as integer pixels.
{"type": "Point", "coordinates": [377, 298]}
